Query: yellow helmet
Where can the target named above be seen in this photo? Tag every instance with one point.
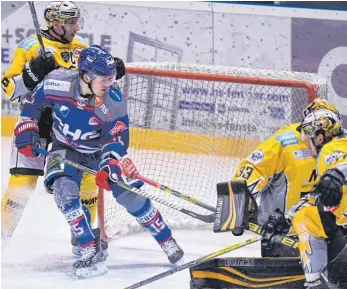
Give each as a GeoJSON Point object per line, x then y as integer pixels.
{"type": "Point", "coordinates": [319, 104]}
{"type": "Point", "coordinates": [61, 11]}
{"type": "Point", "coordinates": [323, 121]}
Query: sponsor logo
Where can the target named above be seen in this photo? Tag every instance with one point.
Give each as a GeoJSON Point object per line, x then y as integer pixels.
{"type": "Point", "coordinates": [239, 262]}
{"type": "Point", "coordinates": [193, 105]}
{"type": "Point", "coordinates": [118, 128]}
{"type": "Point", "coordinates": [65, 56]}
{"type": "Point", "coordinates": [14, 205]}
{"type": "Point", "coordinates": [110, 61]}
{"type": "Point", "coordinates": [94, 121]}
{"type": "Point", "coordinates": [256, 157]}
{"type": "Point", "coordinates": [115, 94]}
{"type": "Point", "coordinates": [302, 154]}
{"type": "Point", "coordinates": [57, 85]}
{"type": "Point", "coordinates": [72, 216]}
{"type": "Point", "coordinates": [287, 138]}
{"type": "Point", "coordinates": [105, 110]}
{"type": "Point", "coordinates": [329, 159]}
{"type": "Point", "coordinates": [98, 100]}
{"type": "Point", "coordinates": [31, 74]}
{"type": "Point", "coordinates": [89, 202]}
{"type": "Point", "coordinates": [148, 217]}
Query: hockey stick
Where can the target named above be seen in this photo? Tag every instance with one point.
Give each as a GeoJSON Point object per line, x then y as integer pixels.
{"type": "Point", "coordinates": [37, 26]}
{"type": "Point", "coordinates": [194, 262]}
{"type": "Point", "coordinates": [174, 192]}
{"type": "Point", "coordinates": [204, 218]}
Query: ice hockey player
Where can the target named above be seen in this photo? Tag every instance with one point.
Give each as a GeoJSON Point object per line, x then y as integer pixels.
{"type": "Point", "coordinates": [321, 223]}
{"type": "Point", "coordinates": [28, 68]}
{"type": "Point", "coordinates": [91, 127]}
{"type": "Point", "coordinates": [280, 171]}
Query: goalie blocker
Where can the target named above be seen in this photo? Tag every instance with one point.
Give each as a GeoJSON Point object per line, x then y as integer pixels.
{"type": "Point", "coordinates": [235, 207]}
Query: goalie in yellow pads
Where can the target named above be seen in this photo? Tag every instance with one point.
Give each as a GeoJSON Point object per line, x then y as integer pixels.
{"type": "Point", "coordinates": [279, 172]}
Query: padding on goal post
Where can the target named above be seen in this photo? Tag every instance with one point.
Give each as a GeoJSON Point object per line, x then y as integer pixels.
{"type": "Point", "coordinates": [190, 125]}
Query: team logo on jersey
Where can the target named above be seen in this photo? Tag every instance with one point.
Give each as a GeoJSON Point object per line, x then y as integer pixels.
{"type": "Point", "coordinates": [76, 53]}
{"type": "Point", "coordinates": [98, 100]}
{"type": "Point", "coordinates": [256, 157]}
{"type": "Point", "coordinates": [65, 56]}
{"type": "Point", "coordinates": [329, 159]}
{"type": "Point", "coordinates": [119, 127]}
{"type": "Point", "coordinates": [64, 110]}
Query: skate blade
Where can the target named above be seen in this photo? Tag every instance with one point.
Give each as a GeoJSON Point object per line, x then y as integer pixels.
{"type": "Point", "coordinates": [94, 271]}
{"type": "Point", "coordinates": [181, 261]}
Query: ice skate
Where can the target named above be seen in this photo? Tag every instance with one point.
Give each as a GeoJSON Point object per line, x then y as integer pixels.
{"type": "Point", "coordinates": [172, 250]}
{"type": "Point", "coordinates": [92, 263]}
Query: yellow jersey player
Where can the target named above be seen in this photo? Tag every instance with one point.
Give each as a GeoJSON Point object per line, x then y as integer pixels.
{"type": "Point", "coordinates": [322, 228]}
{"type": "Point", "coordinates": [319, 221]}
{"type": "Point", "coordinates": [277, 173]}
{"type": "Point", "coordinates": [28, 68]}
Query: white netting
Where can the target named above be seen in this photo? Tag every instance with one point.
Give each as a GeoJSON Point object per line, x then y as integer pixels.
{"type": "Point", "coordinates": [189, 134]}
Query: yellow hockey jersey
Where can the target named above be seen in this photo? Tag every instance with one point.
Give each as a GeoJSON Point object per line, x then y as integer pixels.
{"type": "Point", "coordinates": [279, 171]}
{"type": "Point", "coordinates": [334, 155]}
{"type": "Point", "coordinates": [65, 55]}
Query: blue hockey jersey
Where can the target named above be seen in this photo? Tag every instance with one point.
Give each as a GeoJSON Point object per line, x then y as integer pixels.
{"type": "Point", "coordinates": [84, 124]}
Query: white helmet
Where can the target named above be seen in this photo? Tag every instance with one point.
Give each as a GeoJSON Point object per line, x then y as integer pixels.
{"type": "Point", "coordinates": [60, 11]}
{"type": "Point", "coordinates": [324, 121]}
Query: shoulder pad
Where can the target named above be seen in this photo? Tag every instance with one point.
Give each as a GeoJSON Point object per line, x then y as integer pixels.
{"type": "Point", "coordinates": [28, 42]}
{"type": "Point", "coordinates": [80, 39]}
{"type": "Point", "coordinates": [112, 106]}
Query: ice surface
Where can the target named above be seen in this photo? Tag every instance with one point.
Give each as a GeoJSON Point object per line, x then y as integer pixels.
{"type": "Point", "coordinates": [39, 253]}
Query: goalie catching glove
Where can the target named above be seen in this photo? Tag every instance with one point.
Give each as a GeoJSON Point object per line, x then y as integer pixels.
{"type": "Point", "coordinates": [277, 224]}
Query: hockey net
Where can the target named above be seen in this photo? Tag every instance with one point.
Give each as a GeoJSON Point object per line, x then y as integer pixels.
{"type": "Point", "coordinates": [192, 124]}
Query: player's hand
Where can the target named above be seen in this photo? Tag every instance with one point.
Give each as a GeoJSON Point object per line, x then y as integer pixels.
{"type": "Point", "coordinates": [110, 171]}
{"type": "Point", "coordinates": [27, 138]}
{"type": "Point", "coordinates": [128, 168]}
{"type": "Point", "coordinates": [120, 67]}
{"type": "Point", "coordinates": [276, 224]}
{"type": "Point", "coordinates": [329, 188]}
{"type": "Point", "coordinates": [36, 69]}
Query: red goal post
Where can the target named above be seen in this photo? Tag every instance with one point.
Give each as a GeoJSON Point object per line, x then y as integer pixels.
{"type": "Point", "coordinates": [191, 124]}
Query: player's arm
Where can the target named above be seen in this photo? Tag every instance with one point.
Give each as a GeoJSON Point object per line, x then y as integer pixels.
{"type": "Point", "coordinates": [236, 203]}
{"type": "Point", "coordinates": [27, 131]}
{"type": "Point", "coordinates": [25, 72]}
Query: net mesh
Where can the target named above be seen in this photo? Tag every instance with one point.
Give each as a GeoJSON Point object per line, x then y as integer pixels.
{"type": "Point", "coordinates": [189, 131]}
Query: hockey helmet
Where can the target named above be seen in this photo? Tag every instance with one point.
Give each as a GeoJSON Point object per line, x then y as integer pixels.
{"type": "Point", "coordinates": [61, 11]}
{"type": "Point", "coordinates": [97, 61]}
{"type": "Point", "coordinates": [324, 121]}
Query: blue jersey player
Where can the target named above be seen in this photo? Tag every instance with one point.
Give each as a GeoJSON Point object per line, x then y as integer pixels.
{"type": "Point", "coordinates": [91, 127]}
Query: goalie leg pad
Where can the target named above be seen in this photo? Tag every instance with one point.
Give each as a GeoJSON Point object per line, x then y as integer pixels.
{"type": "Point", "coordinates": [234, 207]}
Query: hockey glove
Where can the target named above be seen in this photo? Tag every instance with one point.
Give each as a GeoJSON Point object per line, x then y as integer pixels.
{"type": "Point", "coordinates": [110, 171]}
{"type": "Point", "coordinates": [329, 188]}
{"type": "Point", "coordinates": [27, 138]}
{"type": "Point", "coordinates": [276, 224]}
{"type": "Point", "coordinates": [120, 67]}
{"type": "Point", "coordinates": [35, 70]}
